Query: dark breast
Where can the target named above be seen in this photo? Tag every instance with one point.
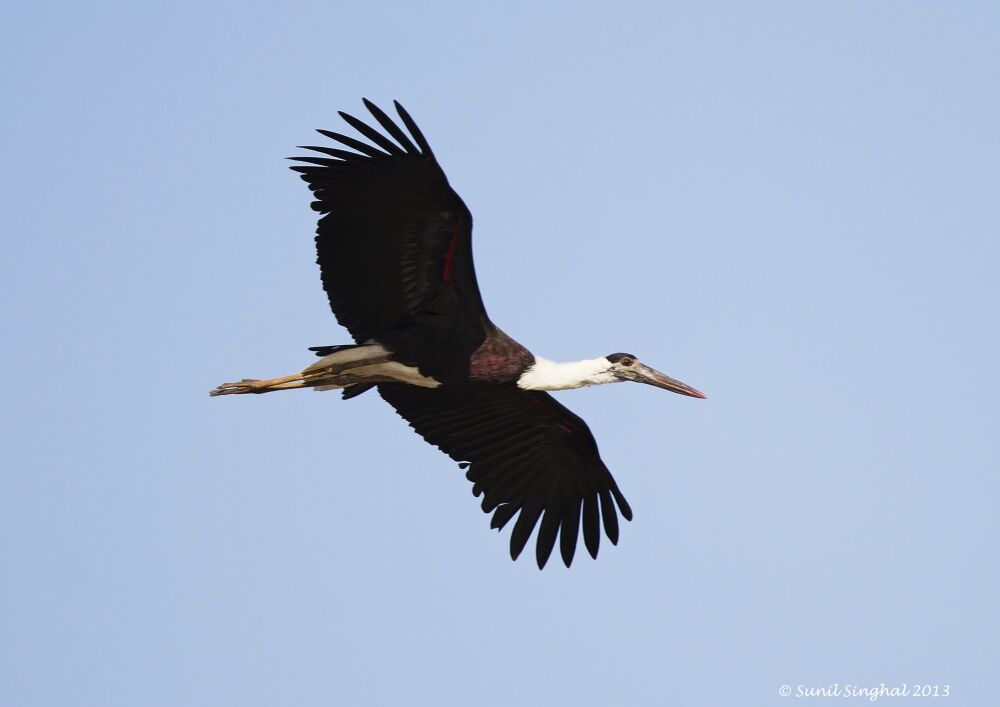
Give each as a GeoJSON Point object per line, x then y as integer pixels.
{"type": "Point", "coordinates": [499, 359]}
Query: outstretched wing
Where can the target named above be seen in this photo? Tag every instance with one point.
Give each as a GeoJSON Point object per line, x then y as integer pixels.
{"type": "Point", "coordinates": [395, 245]}
{"type": "Point", "coordinates": [527, 455]}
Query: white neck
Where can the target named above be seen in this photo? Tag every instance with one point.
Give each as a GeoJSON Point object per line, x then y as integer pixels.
{"type": "Point", "coordinates": [549, 375]}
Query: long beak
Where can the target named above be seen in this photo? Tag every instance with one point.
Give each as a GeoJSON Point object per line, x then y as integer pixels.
{"type": "Point", "coordinates": [651, 376]}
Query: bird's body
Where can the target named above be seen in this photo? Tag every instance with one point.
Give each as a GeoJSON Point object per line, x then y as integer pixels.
{"type": "Point", "coordinates": [394, 247]}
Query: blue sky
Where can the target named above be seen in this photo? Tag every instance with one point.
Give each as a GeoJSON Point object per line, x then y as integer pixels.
{"type": "Point", "coordinates": [791, 206]}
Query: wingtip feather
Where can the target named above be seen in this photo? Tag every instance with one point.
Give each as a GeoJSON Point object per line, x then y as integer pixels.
{"type": "Point", "coordinates": [411, 125]}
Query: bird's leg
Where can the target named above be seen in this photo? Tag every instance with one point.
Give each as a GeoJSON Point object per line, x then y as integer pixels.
{"type": "Point", "coordinates": [252, 385]}
{"type": "Point", "coordinates": [370, 363]}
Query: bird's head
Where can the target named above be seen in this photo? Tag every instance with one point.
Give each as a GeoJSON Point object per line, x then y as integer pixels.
{"type": "Point", "coordinates": [626, 367]}
{"type": "Point", "coordinates": [613, 368]}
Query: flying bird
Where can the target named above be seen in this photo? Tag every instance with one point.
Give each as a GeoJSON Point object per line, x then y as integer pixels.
{"type": "Point", "coordinates": [394, 246]}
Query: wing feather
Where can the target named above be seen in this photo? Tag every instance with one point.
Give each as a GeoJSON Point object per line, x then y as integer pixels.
{"type": "Point", "coordinates": [591, 526]}
{"type": "Point", "coordinates": [389, 126]}
{"type": "Point", "coordinates": [570, 529]}
{"type": "Point", "coordinates": [527, 455]}
{"type": "Point", "coordinates": [372, 134]}
{"type": "Point", "coordinates": [352, 143]}
{"type": "Point", "coordinates": [526, 521]}
{"type": "Point", "coordinates": [425, 149]}
{"type": "Point", "coordinates": [394, 246]}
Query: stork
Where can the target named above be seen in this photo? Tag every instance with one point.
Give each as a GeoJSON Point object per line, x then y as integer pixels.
{"type": "Point", "coordinates": [394, 246]}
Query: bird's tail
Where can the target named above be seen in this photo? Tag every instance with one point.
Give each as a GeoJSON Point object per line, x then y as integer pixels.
{"type": "Point", "coordinates": [350, 367]}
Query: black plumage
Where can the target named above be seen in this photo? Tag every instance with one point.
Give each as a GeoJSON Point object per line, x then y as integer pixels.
{"type": "Point", "coordinates": [395, 251]}
{"type": "Point", "coordinates": [391, 229]}
{"type": "Point", "coordinates": [526, 453]}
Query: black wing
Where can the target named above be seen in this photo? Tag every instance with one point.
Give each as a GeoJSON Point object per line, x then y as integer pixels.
{"type": "Point", "coordinates": [526, 453]}
{"type": "Point", "coordinates": [395, 246]}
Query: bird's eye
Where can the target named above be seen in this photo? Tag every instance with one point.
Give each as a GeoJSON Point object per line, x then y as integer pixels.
{"type": "Point", "coordinates": [626, 361]}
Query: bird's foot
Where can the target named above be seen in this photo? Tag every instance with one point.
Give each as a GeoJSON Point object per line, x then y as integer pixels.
{"type": "Point", "coordinates": [247, 385]}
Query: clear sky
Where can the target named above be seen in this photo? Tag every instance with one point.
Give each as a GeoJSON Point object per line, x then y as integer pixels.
{"type": "Point", "coordinates": [790, 206]}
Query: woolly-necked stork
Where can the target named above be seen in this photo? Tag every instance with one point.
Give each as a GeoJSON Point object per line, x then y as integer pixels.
{"type": "Point", "coordinates": [394, 246]}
